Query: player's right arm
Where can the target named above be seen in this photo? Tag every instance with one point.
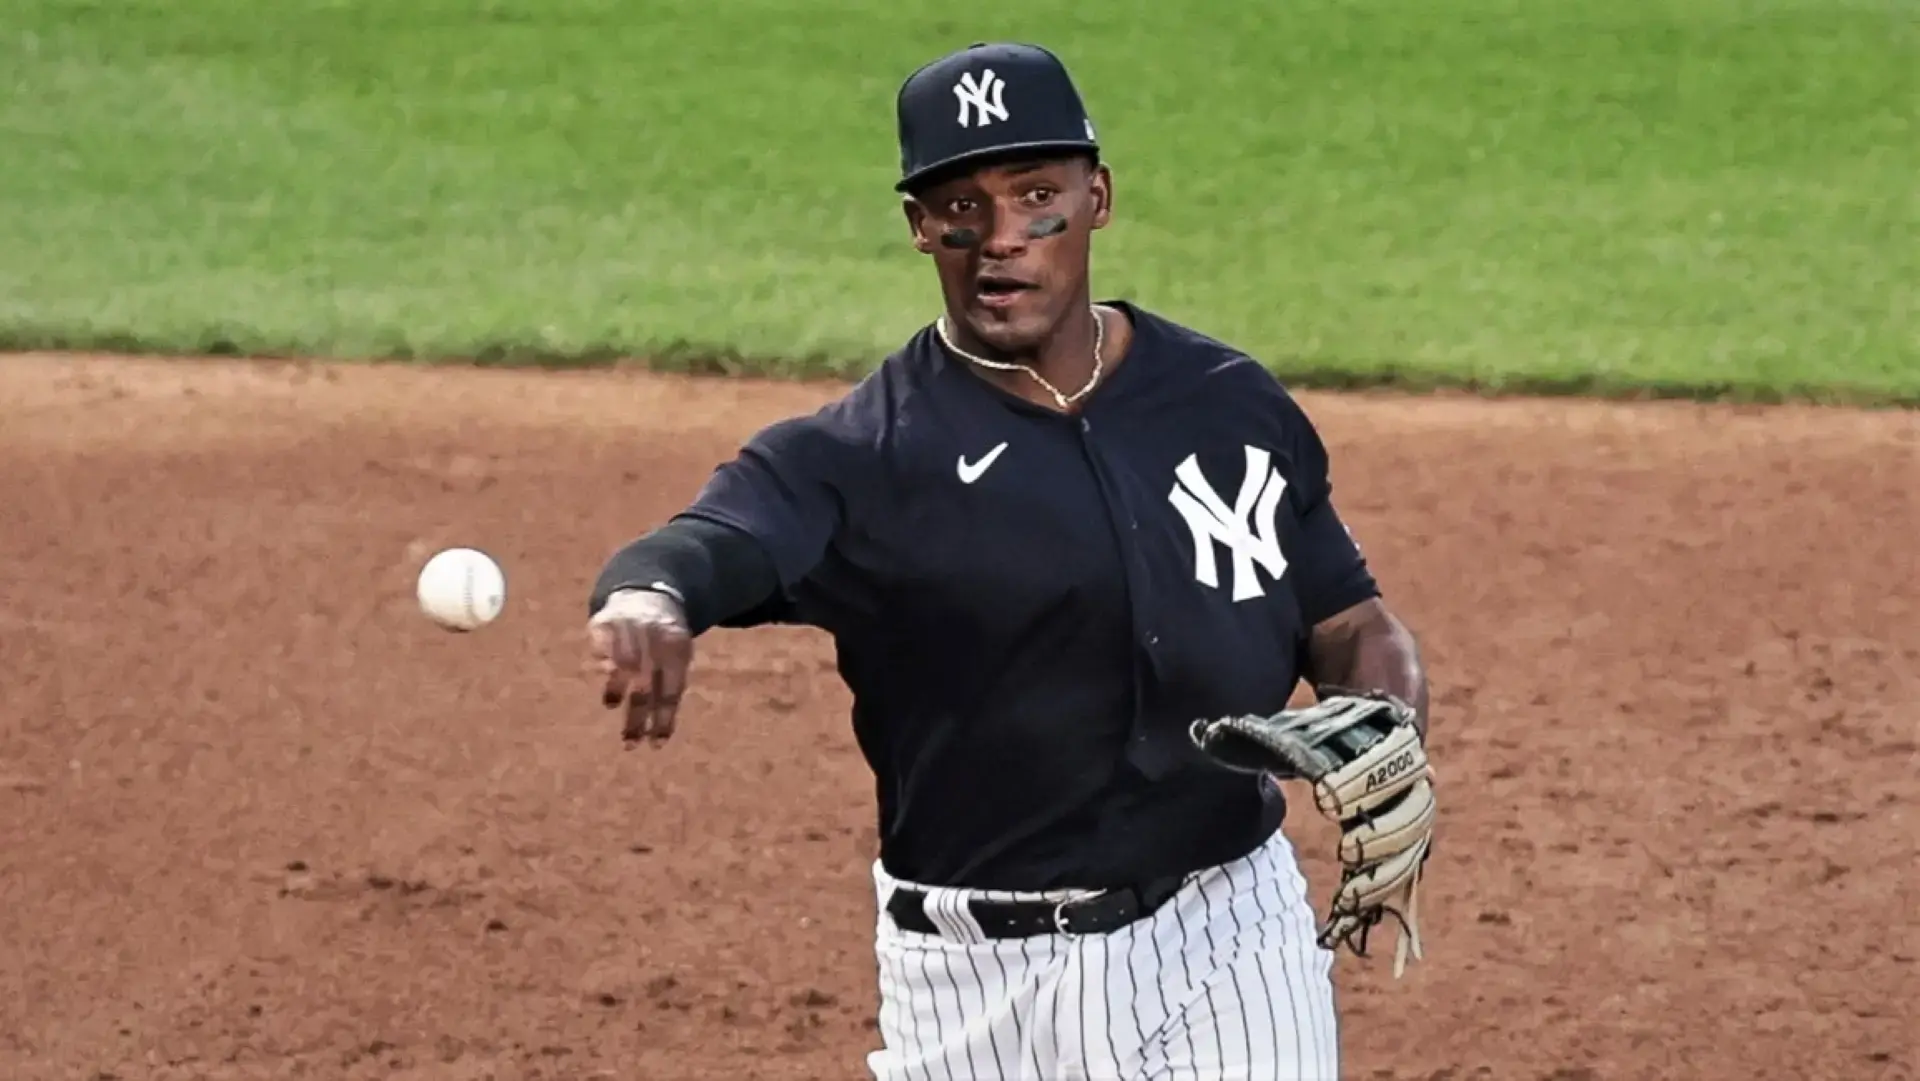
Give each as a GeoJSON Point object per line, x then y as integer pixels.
{"type": "Point", "coordinates": [761, 524]}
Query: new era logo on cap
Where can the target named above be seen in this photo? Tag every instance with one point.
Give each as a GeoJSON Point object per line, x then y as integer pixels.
{"type": "Point", "coordinates": [988, 100]}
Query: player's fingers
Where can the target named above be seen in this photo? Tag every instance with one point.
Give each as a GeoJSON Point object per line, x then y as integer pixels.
{"type": "Point", "coordinates": [625, 676]}
{"type": "Point", "coordinates": [675, 657]}
{"type": "Point", "coordinates": [651, 729]}
{"type": "Point", "coordinates": [639, 684]}
{"type": "Point", "coordinates": [614, 690]}
{"type": "Point", "coordinates": [660, 713]}
{"type": "Point", "coordinates": [628, 644]}
{"type": "Point", "coordinates": [619, 682]}
{"type": "Point", "coordinates": [639, 709]}
{"type": "Point", "coordinates": [600, 641]}
{"type": "Point", "coordinates": [612, 657]}
{"type": "Point", "coordinates": [603, 656]}
{"type": "Point", "coordinates": [598, 663]}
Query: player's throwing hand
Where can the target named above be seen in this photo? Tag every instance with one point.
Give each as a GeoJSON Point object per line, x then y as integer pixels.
{"type": "Point", "coordinates": [642, 644]}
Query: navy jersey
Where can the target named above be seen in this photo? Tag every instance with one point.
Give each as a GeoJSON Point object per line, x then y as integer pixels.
{"type": "Point", "coordinates": [1030, 608]}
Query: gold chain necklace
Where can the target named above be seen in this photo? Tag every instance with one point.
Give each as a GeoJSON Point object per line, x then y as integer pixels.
{"type": "Point", "coordinates": [1065, 400]}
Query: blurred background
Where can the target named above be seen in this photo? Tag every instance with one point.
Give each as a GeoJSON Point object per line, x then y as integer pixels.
{"type": "Point", "coordinates": [1686, 195]}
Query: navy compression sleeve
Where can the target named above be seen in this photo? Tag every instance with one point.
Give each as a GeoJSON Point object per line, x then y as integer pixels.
{"type": "Point", "coordinates": [719, 572]}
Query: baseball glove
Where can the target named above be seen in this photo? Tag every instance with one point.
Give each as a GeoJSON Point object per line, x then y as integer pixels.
{"type": "Point", "coordinates": [1369, 772]}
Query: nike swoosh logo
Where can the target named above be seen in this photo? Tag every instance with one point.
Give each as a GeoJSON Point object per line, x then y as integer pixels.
{"type": "Point", "coordinates": [972, 471]}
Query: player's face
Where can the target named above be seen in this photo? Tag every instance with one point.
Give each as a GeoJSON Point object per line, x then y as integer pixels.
{"type": "Point", "coordinates": [1011, 244]}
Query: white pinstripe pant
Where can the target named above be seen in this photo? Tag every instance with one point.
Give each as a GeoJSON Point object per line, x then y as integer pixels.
{"type": "Point", "coordinates": [1224, 983]}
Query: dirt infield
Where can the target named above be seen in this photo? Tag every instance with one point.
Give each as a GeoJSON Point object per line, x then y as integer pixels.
{"type": "Point", "coordinates": [264, 821]}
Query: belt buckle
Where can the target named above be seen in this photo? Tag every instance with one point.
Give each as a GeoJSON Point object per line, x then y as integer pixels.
{"type": "Point", "coordinates": [1060, 917]}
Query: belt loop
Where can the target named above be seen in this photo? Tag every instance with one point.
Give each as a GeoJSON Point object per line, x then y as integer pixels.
{"type": "Point", "coordinates": [947, 909]}
{"type": "Point", "coordinates": [930, 904]}
{"type": "Point", "coordinates": [964, 919]}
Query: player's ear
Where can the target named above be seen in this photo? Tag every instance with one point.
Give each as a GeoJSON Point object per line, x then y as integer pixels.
{"type": "Point", "coordinates": [1101, 186]}
{"type": "Point", "coordinates": [917, 222]}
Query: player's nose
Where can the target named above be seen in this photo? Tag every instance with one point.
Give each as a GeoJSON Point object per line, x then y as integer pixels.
{"type": "Point", "coordinates": [1006, 238]}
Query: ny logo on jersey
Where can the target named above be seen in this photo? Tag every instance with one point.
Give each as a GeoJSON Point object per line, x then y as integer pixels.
{"type": "Point", "coordinates": [1246, 529]}
{"type": "Point", "coordinates": [982, 97]}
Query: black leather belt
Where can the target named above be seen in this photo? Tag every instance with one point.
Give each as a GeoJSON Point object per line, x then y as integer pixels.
{"type": "Point", "coordinates": [1108, 910]}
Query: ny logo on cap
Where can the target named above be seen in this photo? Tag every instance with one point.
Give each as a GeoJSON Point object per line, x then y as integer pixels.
{"type": "Point", "coordinates": [982, 97]}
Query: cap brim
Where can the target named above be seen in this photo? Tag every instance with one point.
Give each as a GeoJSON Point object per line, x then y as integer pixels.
{"type": "Point", "coordinates": [995, 155]}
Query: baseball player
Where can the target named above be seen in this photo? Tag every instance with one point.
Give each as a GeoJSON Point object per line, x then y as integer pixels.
{"type": "Point", "coordinates": [1048, 536]}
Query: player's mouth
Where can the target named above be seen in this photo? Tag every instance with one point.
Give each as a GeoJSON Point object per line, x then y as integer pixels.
{"type": "Point", "coordinates": [1000, 291]}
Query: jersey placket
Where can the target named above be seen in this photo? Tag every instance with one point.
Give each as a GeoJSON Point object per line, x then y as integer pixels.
{"type": "Point", "coordinates": [1124, 519]}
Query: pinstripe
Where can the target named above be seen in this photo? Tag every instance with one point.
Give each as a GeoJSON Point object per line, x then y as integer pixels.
{"type": "Point", "coordinates": [1059, 983]}
{"type": "Point", "coordinates": [1133, 989]}
{"type": "Point", "coordinates": [1266, 983]}
{"type": "Point", "coordinates": [1326, 1043]}
{"type": "Point", "coordinates": [1213, 956]}
{"type": "Point", "coordinates": [1039, 1072]}
{"type": "Point", "coordinates": [1265, 913]}
{"type": "Point", "coordinates": [1331, 1016]}
{"type": "Point", "coordinates": [1101, 991]}
{"type": "Point", "coordinates": [888, 1000]}
{"type": "Point", "coordinates": [979, 985]}
{"type": "Point", "coordinates": [1059, 987]}
{"type": "Point", "coordinates": [1186, 970]}
{"type": "Point", "coordinates": [912, 1045]}
{"type": "Point", "coordinates": [1263, 938]}
{"type": "Point", "coordinates": [993, 1040]}
{"type": "Point", "coordinates": [1233, 969]}
{"type": "Point", "coordinates": [1297, 990]}
{"type": "Point", "coordinates": [897, 996]}
{"type": "Point", "coordinates": [1288, 965]}
{"type": "Point", "coordinates": [1085, 983]}
{"type": "Point", "coordinates": [910, 1003]}
{"type": "Point", "coordinates": [1006, 989]}
{"type": "Point", "coordinates": [890, 1037]}
{"type": "Point", "coordinates": [933, 1005]}
{"type": "Point", "coordinates": [948, 903]}
{"type": "Point", "coordinates": [1327, 1040]}
{"type": "Point", "coordinates": [1329, 1010]}
{"type": "Point", "coordinates": [1319, 1005]}
{"type": "Point", "coordinates": [1159, 966]}
{"type": "Point", "coordinates": [1316, 969]}
{"type": "Point", "coordinates": [1160, 984]}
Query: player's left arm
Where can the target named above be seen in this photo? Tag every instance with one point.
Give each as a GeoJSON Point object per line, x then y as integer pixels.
{"type": "Point", "coordinates": [1355, 642]}
{"type": "Point", "coordinates": [1368, 648]}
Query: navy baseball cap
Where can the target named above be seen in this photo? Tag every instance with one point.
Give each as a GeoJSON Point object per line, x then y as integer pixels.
{"type": "Point", "coordinates": [988, 100]}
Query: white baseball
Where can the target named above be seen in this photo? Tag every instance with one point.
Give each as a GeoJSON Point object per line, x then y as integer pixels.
{"type": "Point", "coordinates": [462, 589]}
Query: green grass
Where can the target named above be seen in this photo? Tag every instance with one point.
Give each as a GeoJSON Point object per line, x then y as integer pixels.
{"type": "Point", "coordinates": [1693, 196]}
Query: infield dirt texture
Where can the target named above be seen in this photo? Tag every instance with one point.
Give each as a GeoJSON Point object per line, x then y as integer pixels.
{"type": "Point", "coordinates": [264, 821]}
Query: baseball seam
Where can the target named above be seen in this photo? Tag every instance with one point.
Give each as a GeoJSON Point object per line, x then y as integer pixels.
{"type": "Point", "coordinates": [466, 596]}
